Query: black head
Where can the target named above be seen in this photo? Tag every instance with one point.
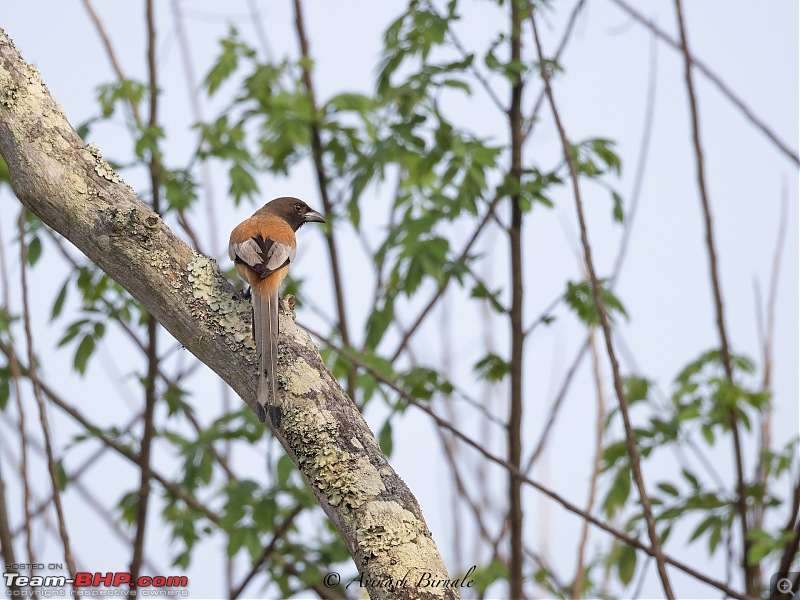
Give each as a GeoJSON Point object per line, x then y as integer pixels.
{"type": "Point", "coordinates": [293, 210]}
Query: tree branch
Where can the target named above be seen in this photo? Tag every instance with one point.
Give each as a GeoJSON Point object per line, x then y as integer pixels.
{"type": "Point", "coordinates": [741, 485]}
{"type": "Point", "coordinates": [566, 504]}
{"type": "Point", "coordinates": [630, 440]}
{"type": "Point", "coordinates": [517, 350]}
{"type": "Point", "coordinates": [713, 78]}
{"type": "Point", "coordinates": [72, 189]}
{"type": "Point", "coordinates": [323, 183]}
{"type": "Point", "coordinates": [37, 392]}
{"type": "Point", "coordinates": [152, 325]}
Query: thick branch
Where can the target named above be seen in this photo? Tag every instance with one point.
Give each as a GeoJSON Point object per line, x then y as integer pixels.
{"type": "Point", "coordinates": [71, 188]}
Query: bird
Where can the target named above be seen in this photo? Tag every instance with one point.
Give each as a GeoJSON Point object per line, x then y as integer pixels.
{"type": "Point", "coordinates": [262, 248]}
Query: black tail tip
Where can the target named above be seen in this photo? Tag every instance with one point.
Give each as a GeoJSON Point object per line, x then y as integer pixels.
{"type": "Point", "coordinates": [261, 413]}
{"type": "Point", "coordinates": [275, 415]}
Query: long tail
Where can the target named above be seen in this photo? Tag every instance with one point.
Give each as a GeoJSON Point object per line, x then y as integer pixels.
{"type": "Point", "coordinates": [265, 325]}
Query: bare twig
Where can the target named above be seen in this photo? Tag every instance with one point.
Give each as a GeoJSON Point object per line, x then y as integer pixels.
{"type": "Point", "coordinates": [317, 152]}
{"type": "Point", "coordinates": [6, 539]}
{"type": "Point", "coordinates": [765, 441]}
{"type": "Point", "coordinates": [642, 154]}
{"type": "Point", "coordinates": [566, 504]}
{"type": "Point", "coordinates": [87, 495]}
{"type": "Point", "coordinates": [482, 79]}
{"type": "Point", "coordinates": [152, 325]}
{"type": "Point", "coordinates": [721, 86]}
{"type": "Point", "coordinates": [633, 452]}
{"type": "Point", "coordinates": [197, 116]}
{"type": "Point", "coordinates": [112, 56]}
{"type": "Point", "coordinates": [37, 392]}
{"type": "Point", "coordinates": [556, 405]}
{"type": "Point", "coordinates": [720, 313]}
{"type": "Point", "coordinates": [537, 106]}
{"type": "Point", "coordinates": [577, 584]}
{"type": "Point", "coordinates": [277, 534]}
{"type": "Point", "coordinates": [13, 367]}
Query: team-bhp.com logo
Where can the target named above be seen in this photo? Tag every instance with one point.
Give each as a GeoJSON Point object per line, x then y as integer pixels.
{"type": "Point", "coordinates": [156, 585]}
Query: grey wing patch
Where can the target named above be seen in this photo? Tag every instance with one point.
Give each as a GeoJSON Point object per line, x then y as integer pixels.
{"type": "Point", "coordinates": [263, 256]}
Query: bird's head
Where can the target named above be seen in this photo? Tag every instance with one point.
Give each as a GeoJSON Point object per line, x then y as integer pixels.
{"type": "Point", "coordinates": [294, 211]}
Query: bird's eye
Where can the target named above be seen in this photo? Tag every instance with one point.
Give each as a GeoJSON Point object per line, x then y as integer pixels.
{"type": "Point", "coordinates": [298, 207]}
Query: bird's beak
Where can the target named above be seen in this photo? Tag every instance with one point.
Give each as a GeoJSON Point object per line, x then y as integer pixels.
{"type": "Point", "coordinates": [313, 216]}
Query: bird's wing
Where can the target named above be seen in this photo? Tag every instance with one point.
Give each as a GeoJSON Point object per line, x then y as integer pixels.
{"type": "Point", "coordinates": [263, 256]}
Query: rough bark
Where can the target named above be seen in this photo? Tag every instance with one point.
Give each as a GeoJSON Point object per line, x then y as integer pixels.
{"type": "Point", "coordinates": [71, 188]}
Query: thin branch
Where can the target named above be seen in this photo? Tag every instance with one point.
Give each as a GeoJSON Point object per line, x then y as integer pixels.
{"type": "Point", "coordinates": [277, 534]}
{"type": "Point", "coordinates": [317, 152]}
{"type": "Point", "coordinates": [720, 313]}
{"type": "Point", "coordinates": [643, 154]}
{"type": "Point", "coordinates": [14, 371]}
{"type": "Point", "coordinates": [793, 524]}
{"type": "Point", "coordinates": [556, 405]}
{"type": "Point", "coordinates": [765, 441]}
{"type": "Point", "coordinates": [566, 504]}
{"type": "Point", "coordinates": [197, 116]}
{"type": "Point", "coordinates": [573, 19]}
{"type": "Point", "coordinates": [152, 325]}
{"type": "Point", "coordinates": [462, 257]}
{"type": "Point", "coordinates": [173, 489]}
{"type": "Point", "coordinates": [74, 476]}
{"type": "Point", "coordinates": [482, 79]}
{"type": "Point", "coordinates": [37, 392]}
{"type": "Point", "coordinates": [6, 539]}
{"type": "Point", "coordinates": [135, 110]}
{"type": "Point", "coordinates": [112, 56]}
{"type": "Point", "coordinates": [721, 86]}
{"type": "Point", "coordinates": [630, 440]}
{"type": "Point", "coordinates": [74, 480]}
{"type": "Point", "coordinates": [577, 584]}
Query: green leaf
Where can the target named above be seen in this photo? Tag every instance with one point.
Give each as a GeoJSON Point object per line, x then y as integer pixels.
{"type": "Point", "coordinates": [243, 184]}
{"type": "Point", "coordinates": [619, 492]}
{"type": "Point", "coordinates": [58, 305]}
{"type": "Point", "coordinates": [34, 250]}
{"type": "Point", "coordinates": [180, 189]}
{"type": "Point", "coordinates": [61, 475]}
{"type": "Point", "coordinates": [492, 368]}
{"type": "Point", "coordinates": [636, 388]}
{"type": "Point", "coordinates": [285, 469]}
{"type": "Point", "coordinates": [228, 61]}
{"type": "Point", "coordinates": [5, 389]}
{"type": "Point", "coordinates": [5, 177]}
{"type": "Point", "coordinates": [479, 291]}
{"type": "Point", "coordinates": [385, 438]}
{"type": "Point", "coordinates": [704, 524]}
{"type": "Point", "coordinates": [83, 353]}
{"type": "Point", "coordinates": [236, 540]}
{"type": "Point", "coordinates": [626, 564]}
{"type": "Point", "coordinates": [580, 298]}
{"type": "Point", "coordinates": [668, 488]}
{"type": "Point", "coordinates": [618, 213]}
